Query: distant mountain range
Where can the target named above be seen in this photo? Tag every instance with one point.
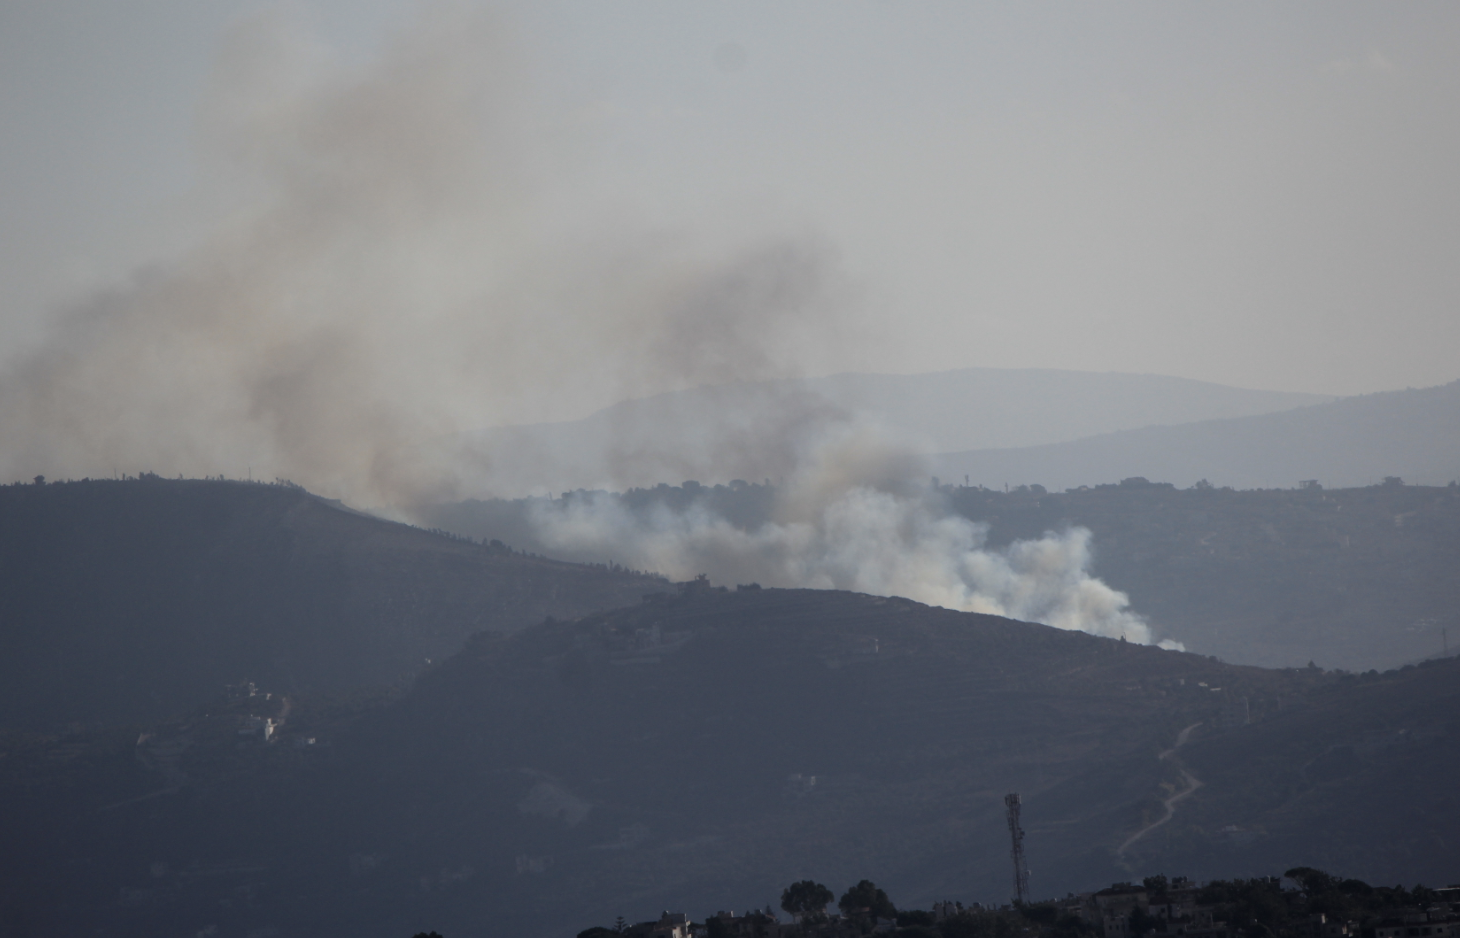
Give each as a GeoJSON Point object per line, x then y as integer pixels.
{"type": "Point", "coordinates": [1412, 434]}
{"type": "Point", "coordinates": [703, 750]}
{"type": "Point", "coordinates": [757, 430]}
{"type": "Point", "coordinates": [138, 600]}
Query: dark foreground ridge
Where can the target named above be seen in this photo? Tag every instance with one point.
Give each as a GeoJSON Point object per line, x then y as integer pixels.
{"type": "Point", "coordinates": [704, 749]}
{"type": "Point", "coordinates": [137, 600]}
{"type": "Point", "coordinates": [1303, 903]}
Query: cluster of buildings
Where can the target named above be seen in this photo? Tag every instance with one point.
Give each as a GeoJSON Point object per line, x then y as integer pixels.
{"type": "Point", "coordinates": [1125, 910]}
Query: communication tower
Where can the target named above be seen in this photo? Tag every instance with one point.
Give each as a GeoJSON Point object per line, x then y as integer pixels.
{"type": "Point", "coordinates": [1016, 853]}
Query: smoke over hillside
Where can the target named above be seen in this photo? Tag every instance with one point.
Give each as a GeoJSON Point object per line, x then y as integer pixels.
{"type": "Point", "coordinates": [847, 517]}
{"type": "Point", "coordinates": [861, 538]}
{"type": "Point", "coordinates": [399, 269]}
{"type": "Point", "coordinates": [403, 265]}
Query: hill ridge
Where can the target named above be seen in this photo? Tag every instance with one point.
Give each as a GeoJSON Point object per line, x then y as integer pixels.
{"type": "Point", "coordinates": [134, 599]}
{"type": "Point", "coordinates": [1413, 434]}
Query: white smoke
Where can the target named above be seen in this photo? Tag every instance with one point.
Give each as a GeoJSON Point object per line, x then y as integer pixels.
{"type": "Point", "coordinates": [840, 527]}
{"type": "Point", "coordinates": [405, 271]}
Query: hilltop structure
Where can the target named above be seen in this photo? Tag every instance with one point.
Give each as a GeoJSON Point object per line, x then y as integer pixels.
{"type": "Point", "coordinates": [1312, 905]}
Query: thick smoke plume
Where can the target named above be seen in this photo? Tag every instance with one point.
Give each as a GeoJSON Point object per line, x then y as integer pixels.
{"type": "Point", "coordinates": [847, 519]}
{"type": "Point", "coordinates": [407, 261]}
{"type": "Point", "coordinates": [404, 263]}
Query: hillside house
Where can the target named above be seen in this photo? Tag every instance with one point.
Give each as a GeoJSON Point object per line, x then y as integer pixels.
{"type": "Point", "coordinates": [1177, 903]}
{"type": "Point", "coordinates": [1439, 921]}
{"type": "Point", "coordinates": [753, 924]}
{"type": "Point", "coordinates": [259, 726]}
{"type": "Point", "coordinates": [1321, 926]}
{"type": "Point", "coordinates": [946, 910]}
{"type": "Point", "coordinates": [1111, 907]}
{"type": "Point", "coordinates": [672, 925]}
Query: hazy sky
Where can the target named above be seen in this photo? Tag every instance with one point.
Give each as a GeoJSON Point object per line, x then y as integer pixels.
{"type": "Point", "coordinates": [1257, 194]}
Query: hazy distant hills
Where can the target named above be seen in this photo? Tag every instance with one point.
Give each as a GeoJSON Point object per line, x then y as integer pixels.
{"type": "Point", "coordinates": [1412, 434]}
{"type": "Point", "coordinates": [752, 430]}
{"type": "Point", "coordinates": [701, 752]}
{"type": "Point", "coordinates": [136, 600]}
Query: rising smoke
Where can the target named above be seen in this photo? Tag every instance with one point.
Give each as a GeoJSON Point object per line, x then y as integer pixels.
{"type": "Point", "coordinates": [402, 266]}
{"type": "Point", "coordinates": [397, 270]}
{"type": "Point", "coordinates": [848, 519]}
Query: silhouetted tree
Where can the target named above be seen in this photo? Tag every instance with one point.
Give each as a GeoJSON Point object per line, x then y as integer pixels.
{"type": "Point", "coordinates": [866, 897]}
{"type": "Point", "coordinates": [1314, 882]}
{"type": "Point", "coordinates": [1156, 887]}
{"type": "Point", "coordinates": [1042, 912]}
{"type": "Point", "coordinates": [806, 898]}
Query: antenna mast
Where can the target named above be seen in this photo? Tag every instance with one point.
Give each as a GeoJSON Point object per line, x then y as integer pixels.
{"type": "Point", "coordinates": [1016, 835]}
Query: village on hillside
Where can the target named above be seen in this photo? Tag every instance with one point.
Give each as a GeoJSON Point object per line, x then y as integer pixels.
{"type": "Point", "coordinates": [1303, 903]}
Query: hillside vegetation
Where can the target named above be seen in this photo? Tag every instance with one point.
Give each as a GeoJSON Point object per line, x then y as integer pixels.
{"type": "Point", "coordinates": [1350, 578]}
{"type": "Point", "coordinates": [138, 600]}
{"type": "Point", "coordinates": [701, 750]}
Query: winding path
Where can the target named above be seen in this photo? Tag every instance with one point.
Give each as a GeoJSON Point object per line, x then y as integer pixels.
{"type": "Point", "coordinates": [1192, 784]}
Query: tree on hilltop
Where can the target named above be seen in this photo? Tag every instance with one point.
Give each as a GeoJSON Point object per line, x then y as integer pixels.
{"type": "Point", "coordinates": [806, 898]}
{"type": "Point", "coordinates": [866, 898]}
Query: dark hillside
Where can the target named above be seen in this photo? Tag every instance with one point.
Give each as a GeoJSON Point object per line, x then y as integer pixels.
{"type": "Point", "coordinates": [701, 752]}
{"type": "Point", "coordinates": [1350, 578]}
{"type": "Point", "coordinates": [1363, 777]}
{"type": "Point", "coordinates": [137, 600]}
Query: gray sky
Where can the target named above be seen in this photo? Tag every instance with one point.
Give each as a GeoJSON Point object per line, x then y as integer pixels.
{"type": "Point", "coordinates": [1255, 194]}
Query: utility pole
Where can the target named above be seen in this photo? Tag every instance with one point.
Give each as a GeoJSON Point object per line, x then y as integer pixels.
{"type": "Point", "coordinates": [1016, 835]}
